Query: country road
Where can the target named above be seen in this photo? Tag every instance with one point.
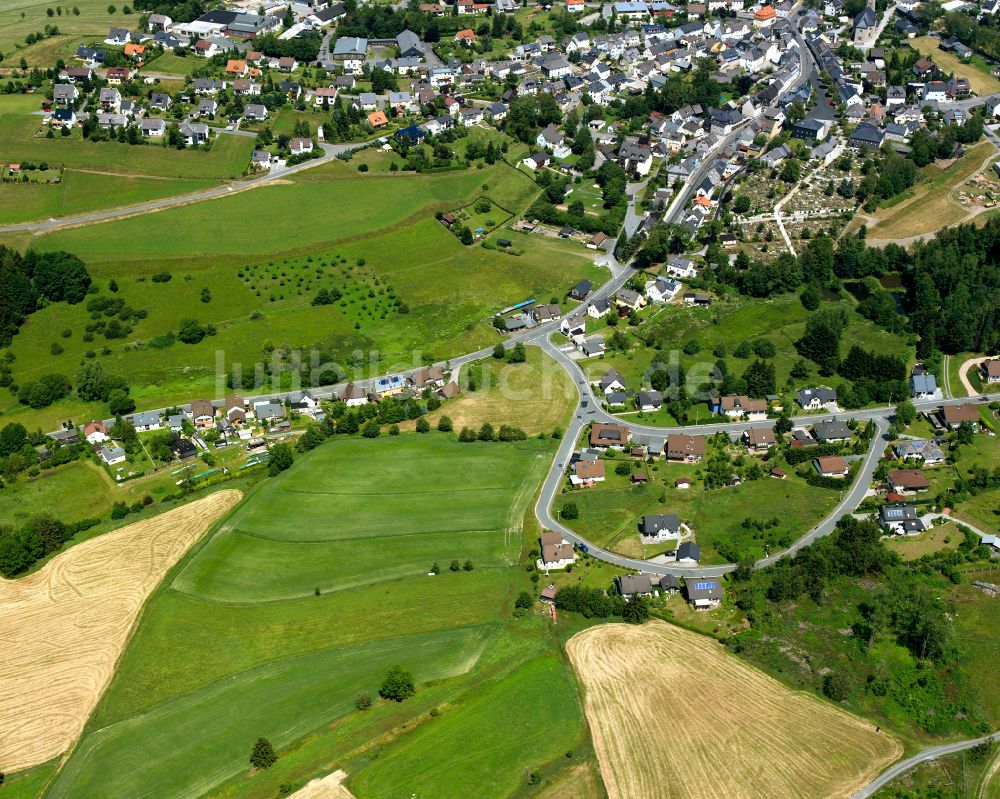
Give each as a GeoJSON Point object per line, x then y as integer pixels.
{"type": "Point", "coordinates": [927, 755]}
{"type": "Point", "coordinates": [330, 151]}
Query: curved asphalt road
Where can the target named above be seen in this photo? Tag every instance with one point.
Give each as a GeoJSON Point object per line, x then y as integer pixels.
{"type": "Point", "coordinates": [922, 757]}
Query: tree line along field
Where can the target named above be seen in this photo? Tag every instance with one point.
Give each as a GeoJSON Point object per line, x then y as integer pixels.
{"type": "Point", "coordinates": [235, 670]}
{"type": "Point", "coordinates": [448, 290]}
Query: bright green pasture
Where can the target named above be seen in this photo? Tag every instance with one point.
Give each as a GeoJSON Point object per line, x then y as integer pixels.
{"type": "Point", "coordinates": [484, 746]}
{"type": "Point", "coordinates": [82, 191]}
{"type": "Point", "coordinates": [294, 216]}
{"type": "Point", "coordinates": [421, 498]}
{"type": "Point", "coordinates": [185, 746]}
{"type": "Point", "coordinates": [184, 643]}
{"type": "Point", "coordinates": [228, 157]}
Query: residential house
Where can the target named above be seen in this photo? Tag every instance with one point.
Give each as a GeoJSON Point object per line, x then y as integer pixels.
{"type": "Point", "coordinates": [194, 133]}
{"type": "Point", "coordinates": [255, 112]}
{"type": "Point", "coordinates": [266, 411]}
{"type": "Point", "coordinates": [919, 449]}
{"type": "Point", "coordinates": [202, 414]}
{"type": "Point", "coordinates": [353, 395]}
{"type": "Point", "coordinates": [738, 406]}
{"type": "Point", "coordinates": [557, 552]}
{"type": "Point", "coordinates": [649, 400]}
{"type": "Point", "coordinates": [685, 448]}
{"type": "Point", "coordinates": [611, 381]}
{"type": "Point", "coordinates": [901, 519]}
{"type": "Point", "coordinates": [759, 438]}
{"type": "Point", "coordinates": [831, 432]}
{"type": "Point", "coordinates": [923, 386]}
{"type": "Point", "coordinates": [661, 527]}
{"type": "Point", "coordinates": [703, 593]}
{"type": "Point", "coordinates": [688, 552]}
{"type": "Point", "coordinates": [302, 401]}
{"type": "Point", "coordinates": [609, 436]}
{"type": "Point", "coordinates": [95, 432]}
{"type": "Point", "coordinates": [906, 481]}
{"type": "Point", "coordinates": [990, 370]}
{"type": "Point", "coordinates": [831, 466]}
{"type": "Point", "coordinates": [953, 416]}
{"type": "Point", "coordinates": [580, 291]}
{"type": "Point", "coordinates": [633, 585]}
{"type": "Point", "coordinates": [586, 473]}
{"type": "Point", "coordinates": [812, 399]}
{"type": "Point", "coordinates": [146, 420]}
{"type": "Point", "coordinates": [153, 128]}
{"type": "Point", "coordinates": [662, 289]}
{"type": "Point", "coordinates": [112, 455]}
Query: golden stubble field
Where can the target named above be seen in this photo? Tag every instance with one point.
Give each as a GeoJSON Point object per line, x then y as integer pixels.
{"type": "Point", "coordinates": [674, 716]}
{"type": "Point", "coordinates": [63, 628]}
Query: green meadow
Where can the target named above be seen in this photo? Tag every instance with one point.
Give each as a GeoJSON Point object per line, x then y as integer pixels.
{"type": "Point", "coordinates": [81, 191]}
{"type": "Point", "coordinates": [188, 744]}
{"type": "Point", "coordinates": [426, 498]}
{"type": "Point", "coordinates": [18, 18]}
{"type": "Point", "coordinates": [409, 289]}
{"type": "Point", "coordinates": [205, 675]}
{"type": "Point", "coordinates": [228, 157]}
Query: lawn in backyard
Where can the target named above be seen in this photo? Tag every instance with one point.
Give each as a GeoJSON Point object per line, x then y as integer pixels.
{"type": "Point", "coordinates": [610, 513]}
{"type": "Point", "coordinates": [331, 524]}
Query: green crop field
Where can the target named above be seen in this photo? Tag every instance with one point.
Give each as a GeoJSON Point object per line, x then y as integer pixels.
{"type": "Point", "coordinates": [461, 753]}
{"type": "Point", "coordinates": [457, 504]}
{"type": "Point", "coordinates": [215, 726]}
{"type": "Point", "coordinates": [81, 191]}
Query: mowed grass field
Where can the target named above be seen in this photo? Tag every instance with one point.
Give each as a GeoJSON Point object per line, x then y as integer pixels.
{"type": "Point", "coordinates": [18, 18]}
{"type": "Point", "coordinates": [203, 678]}
{"type": "Point", "coordinates": [449, 290]}
{"type": "Point", "coordinates": [81, 191]}
{"type": "Point", "coordinates": [931, 206]}
{"type": "Point", "coordinates": [203, 738]}
{"type": "Point", "coordinates": [426, 498]}
{"type": "Point", "coordinates": [229, 156]}
{"type": "Point", "coordinates": [677, 716]}
{"type": "Point", "coordinates": [483, 746]}
{"type": "Point", "coordinates": [977, 71]}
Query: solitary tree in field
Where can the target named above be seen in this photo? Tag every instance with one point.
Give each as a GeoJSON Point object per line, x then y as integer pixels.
{"type": "Point", "coordinates": [262, 755]}
{"type": "Point", "coordinates": [397, 685]}
{"type": "Point", "coordinates": [281, 458]}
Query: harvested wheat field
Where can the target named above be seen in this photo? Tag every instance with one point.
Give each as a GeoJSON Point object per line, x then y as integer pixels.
{"type": "Point", "coordinates": [674, 716]}
{"type": "Point", "coordinates": [63, 627]}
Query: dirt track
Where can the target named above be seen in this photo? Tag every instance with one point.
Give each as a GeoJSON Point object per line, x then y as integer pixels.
{"type": "Point", "coordinates": [328, 787]}
{"type": "Point", "coordinates": [63, 628]}
{"type": "Point", "coordinates": [674, 716]}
